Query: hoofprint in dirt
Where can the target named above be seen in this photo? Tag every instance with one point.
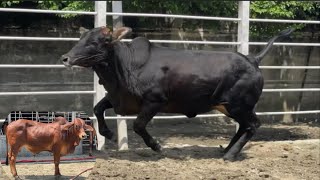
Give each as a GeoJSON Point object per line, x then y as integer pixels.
{"type": "Point", "coordinates": [45, 170]}
{"type": "Point", "coordinates": [272, 160]}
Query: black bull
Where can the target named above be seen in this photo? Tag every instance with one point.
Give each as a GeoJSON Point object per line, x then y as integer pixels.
{"type": "Point", "coordinates": [144, 79]}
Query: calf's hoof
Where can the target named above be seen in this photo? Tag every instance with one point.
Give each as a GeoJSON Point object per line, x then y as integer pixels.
{"type": "Point", "coordinates": [57, 177]}
{"type": "Point", "coordinates": [16, 177]}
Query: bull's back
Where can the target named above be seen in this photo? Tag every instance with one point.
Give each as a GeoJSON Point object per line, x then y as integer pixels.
{"type": "Point", "coordinates": [196, 64]}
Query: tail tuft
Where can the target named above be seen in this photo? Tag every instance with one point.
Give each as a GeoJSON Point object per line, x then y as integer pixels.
{"type": "Point", "coordinates": [286, 32]}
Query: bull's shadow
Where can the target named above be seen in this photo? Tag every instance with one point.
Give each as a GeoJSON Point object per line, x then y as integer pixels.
{"type": "Point", "coordinates": [181, 153]}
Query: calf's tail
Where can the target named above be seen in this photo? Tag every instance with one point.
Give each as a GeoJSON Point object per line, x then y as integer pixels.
{"type": "Point", "coordinates": [265, 50]}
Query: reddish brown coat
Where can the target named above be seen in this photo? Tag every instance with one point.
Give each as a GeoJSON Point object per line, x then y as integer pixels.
{"type": "Point", "coordinates": [59, 137]}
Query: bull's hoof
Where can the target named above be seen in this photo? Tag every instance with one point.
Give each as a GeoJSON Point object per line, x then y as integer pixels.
{"type": "Point", "coordinates": [222, 149]}
{"type": "Point", "coordinates": [157, 148]}
{"type": "Point", "coordinates": [106, 133]}
{"type": "Point", "coordinates": [114, 139]}
{"type": "Point", "coordinates": [229, 157]}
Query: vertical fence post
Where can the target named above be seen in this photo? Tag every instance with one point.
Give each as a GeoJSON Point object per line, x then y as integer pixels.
{"type": "Point", "coordinates": [9, 118]}
{"type": "Point", "coordinates": [121, 123]}
{"type": "Point", "coordinates": [243, 30]}
{"type": "Point", "coordinates": [100, 19]}
{"type": "Point", "coordinates": [243, 27]}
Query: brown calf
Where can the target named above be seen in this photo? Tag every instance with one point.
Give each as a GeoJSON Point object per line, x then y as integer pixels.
{"type": "Point", "coordinates": [59, 137]}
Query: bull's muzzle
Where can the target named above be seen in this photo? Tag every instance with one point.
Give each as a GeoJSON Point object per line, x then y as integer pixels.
{"type": "Point", "coordinates": [65, 60]}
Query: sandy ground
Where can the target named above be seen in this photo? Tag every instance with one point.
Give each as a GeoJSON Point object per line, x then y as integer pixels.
{"type": "Point", "coordinates": [191, 151]}
{"type": "Point", "coordinates": [45, 171]}
{"type": "Point", "coordinates": [260, 160]}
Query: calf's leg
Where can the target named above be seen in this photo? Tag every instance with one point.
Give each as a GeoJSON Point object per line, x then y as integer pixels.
{"type": "Point", "coordinates": [12, 154]}
{"type": "Point", "coordinates": [99, 109]}
{"type": "Point", "coordinates": [56, 160]}
{"type": "Point", "coordinates": [139, 125]}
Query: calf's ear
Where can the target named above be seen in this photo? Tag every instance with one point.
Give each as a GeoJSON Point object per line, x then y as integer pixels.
{"type": "Point", "coordinates": [120, 33]}
{"type": "Point", "coordinates": [67, 126]}
{"type": "Point", "coordinates": [88, 128]}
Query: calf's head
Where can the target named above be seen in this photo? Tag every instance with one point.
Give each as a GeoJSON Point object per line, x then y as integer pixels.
{"type": "Point", "coordinates": [77, 129]}
{"type": "Point", "coordinates": [93, 47]}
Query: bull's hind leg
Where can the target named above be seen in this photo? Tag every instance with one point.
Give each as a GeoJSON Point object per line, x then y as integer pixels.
{"type": "Point", "coordinates": [139, 125]}
{"type": "Point", "coordinates": [248, 123]}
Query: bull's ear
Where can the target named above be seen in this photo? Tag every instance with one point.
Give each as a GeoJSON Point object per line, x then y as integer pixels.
{"type": "Point", "coordinates": [120, 33]}
{"type": "Point", "coordinates": [83, 30]}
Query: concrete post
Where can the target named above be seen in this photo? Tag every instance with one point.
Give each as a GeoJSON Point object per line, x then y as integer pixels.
{"type": "Point", "coordinates": [99, 20]}
{"type": "Point", "coordinates": [243, 30]}
{"type": "Point", "coordinates": [243, 27]}
{"type": "Point", "coordinates": [121, 123]}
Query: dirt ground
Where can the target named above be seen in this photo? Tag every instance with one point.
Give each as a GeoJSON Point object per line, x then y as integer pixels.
{"type": "Point", "coordinates": [191, 151]}
{"type": "Point", "coordinates": [45, 171]}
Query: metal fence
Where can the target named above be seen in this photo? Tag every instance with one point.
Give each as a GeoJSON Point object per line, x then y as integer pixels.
{"type": "Point", "coordinates": [100, 20]}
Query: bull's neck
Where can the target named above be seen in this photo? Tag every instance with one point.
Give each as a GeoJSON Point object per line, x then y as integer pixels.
{"type": "Point", "coordinates": [116, 72]}
{"type": "Point", "coordinates": [123, 60]}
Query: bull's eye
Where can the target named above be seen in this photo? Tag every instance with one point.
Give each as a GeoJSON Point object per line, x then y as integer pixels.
{"type": "Point", "coordinates": [90, 46]}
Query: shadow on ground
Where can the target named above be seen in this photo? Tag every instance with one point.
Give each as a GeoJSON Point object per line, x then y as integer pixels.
{"type": "Point", "coordinates": [49, 177]}
{"type": "Point", "coordinates": [215, 133]}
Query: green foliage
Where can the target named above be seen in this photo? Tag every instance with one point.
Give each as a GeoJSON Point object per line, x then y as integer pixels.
{"type": "Point", "coordinates": [185, 7]}
{"type": "Point", "coordinates": [301, 10]}
{"type": "Point", "coordinates": [67, 6]}
{"type": "Point", "coordinates": [8, 3]}
{"type": "Point", "coordinates": [304, 10]}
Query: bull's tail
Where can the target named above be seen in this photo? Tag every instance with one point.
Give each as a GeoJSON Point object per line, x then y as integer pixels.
{"type": "Point", "coordinates": [261, 54]}
{"type": "Point", "coordinates": [5, 130]}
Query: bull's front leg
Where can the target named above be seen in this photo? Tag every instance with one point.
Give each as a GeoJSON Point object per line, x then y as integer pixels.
{"type": "Point", "coordinates": [99, 109]}
{"type": "Point", "coordinates": [149, 110]}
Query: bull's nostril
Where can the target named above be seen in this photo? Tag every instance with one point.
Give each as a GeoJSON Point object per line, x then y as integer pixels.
{"type": "Point", "coordinates": [64, 58]}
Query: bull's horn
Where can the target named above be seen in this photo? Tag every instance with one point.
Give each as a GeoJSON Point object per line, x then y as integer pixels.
{"type": "Point", "coordinates": [83, 30]}
{"type": "Point", "coordinates": [121, 33]}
